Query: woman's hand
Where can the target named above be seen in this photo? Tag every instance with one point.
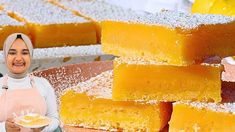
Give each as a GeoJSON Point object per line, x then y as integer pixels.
{"type": "Point", "coordinates": [11, 126]}
{"type": "Point", "coordinates": [37, 129]}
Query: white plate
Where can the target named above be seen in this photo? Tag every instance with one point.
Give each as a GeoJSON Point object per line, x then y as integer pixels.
{"type": "Point", "coordinates": [17, 121]}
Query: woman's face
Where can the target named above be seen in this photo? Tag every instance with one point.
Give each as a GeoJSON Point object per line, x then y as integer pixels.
{"type": "Point", "coordinates": [18, 58]}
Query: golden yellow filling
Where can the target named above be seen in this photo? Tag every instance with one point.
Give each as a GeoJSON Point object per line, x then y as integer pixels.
{"type": "Point", "coordinates": [172, 45]}
{"type": "Point", "coordinates": [69, 34]}
{"type": "Point", "coordinates": [81, 110]}
{"type": "Point", "coordinates": [186, 118]}
{"type": "Point", "coordinates": [136, 81]}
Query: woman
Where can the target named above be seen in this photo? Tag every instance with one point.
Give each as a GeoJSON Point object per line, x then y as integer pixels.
{"type": "Point", "coordinates": [21, 93]}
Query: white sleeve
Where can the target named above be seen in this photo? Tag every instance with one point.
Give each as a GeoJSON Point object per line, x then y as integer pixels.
{"type": "Point", "coordinates": [51, 108]}
{"type": "Point", "coordinates": [2, 127]}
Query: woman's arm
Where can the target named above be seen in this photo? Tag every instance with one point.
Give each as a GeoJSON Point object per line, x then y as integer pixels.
{"type": "Point", "coordinates": [51, 107]}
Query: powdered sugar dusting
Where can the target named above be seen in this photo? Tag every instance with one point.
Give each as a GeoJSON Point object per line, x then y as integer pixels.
{"type": "Point", "coordinates": [97, 10]}
{"type": "Point", "coordinates": [99, 86]}
{"type": "Point", "coordinates": [138, 61]}
{"type": "Point", "coordinates": [60, 75]}
{"type": "Point", "coordinates": [185, 20]}
{"type": "Point", "coordinates": [41, 12]}
{"type": "Point", "coordinates": [223, 107]}
{"type": "Point", "coordinates": [100, 10]}
{"type": "Point", "coordinates": [143, 61]}
{"type": "Point", "coordinates": [6, 20]}
{"type": "Point", "coordinates": [69, 51]}
{"type": "Point", "coordinates": [69, 76]}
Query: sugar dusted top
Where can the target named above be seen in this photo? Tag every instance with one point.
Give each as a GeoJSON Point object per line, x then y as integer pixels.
{"type": "Point", "coordinates": [138, 61]}
{"type": "Point", "coordinates": [144, 61]}
{"type": "Point", "coordinates": [41, 12]}
{"type": "Point", "coordinates": [183, 20]}
{"type": "Point", "coordinates": [69, 51]}
{"type": "Point", "coordinates": [225, 107]}
{"type": "Point", "coordinates": [6, 20]}
{"type": "Point", "coordinates": [99, 86]}
{"type": "Point", "coordinates": [99, 11]}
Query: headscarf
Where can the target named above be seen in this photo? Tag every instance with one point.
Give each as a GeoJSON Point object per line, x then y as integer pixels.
{"type": "Point", "coordinates": [7, 45]}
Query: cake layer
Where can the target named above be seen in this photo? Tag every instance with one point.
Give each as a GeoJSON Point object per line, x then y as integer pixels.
{"type": "Point", "coordinates": [51, 25]}
{"type": "Point", "coordinates": [63, 34]}
{"type": "Point", "coordinates": [224, 7]}
{"type": "Point", "coordinates": [202, 117]}
{"type": "Point", "coordinates": [175, 38]}
{"type": "Point", "coordinates": [8, 26]}
{"type": "Point", "coordinates": [90, 105]}
{"type": "Point", "coordinates": [94, 10]}
{"type": "Point", "coordinates": [145, 80]}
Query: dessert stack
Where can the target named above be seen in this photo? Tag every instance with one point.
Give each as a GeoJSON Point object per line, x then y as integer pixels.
{"type": "Point", "coordinates": [161, 59]}
{"type": "Point", "coordinates": [90, 105]}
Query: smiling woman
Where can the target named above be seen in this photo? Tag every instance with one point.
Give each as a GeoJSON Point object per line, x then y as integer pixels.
{"type": "Point", "coordinates": [22, 93]}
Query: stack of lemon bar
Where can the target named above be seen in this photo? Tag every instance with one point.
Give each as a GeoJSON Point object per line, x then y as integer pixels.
{"type": "Point", "coordinates": [90, 105]}
{"type": "Point", "coordinates": [161, 60]}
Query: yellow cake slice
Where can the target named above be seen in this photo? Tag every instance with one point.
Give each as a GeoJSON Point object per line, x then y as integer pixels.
{"type": "Point", "coordinates": [149, 80]}
{"type": "Point", "coordinates": [172, 37]}
{"type": "Point", "coordinates": [8, 26]}
{"type": "Point", "coordinates": [224, 7]}
{"type": "Point", "coordinates": [32, 119]}
{"type": "Point", "coordinates": [202, 117]}
{"type": "Point", "coordinates": [50, 25]}
{"type": "Point", "coordinates": [94, 10]}
{"type": "Point", "coordinates": [90, 105]}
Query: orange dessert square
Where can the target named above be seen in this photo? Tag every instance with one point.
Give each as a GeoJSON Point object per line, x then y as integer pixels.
{"type": "Point", "coordinates": [202, 117]}
{"type": "Point", "coordinates": [149, 80]}
{"type": "Point", "coordinates": [172, 37]}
